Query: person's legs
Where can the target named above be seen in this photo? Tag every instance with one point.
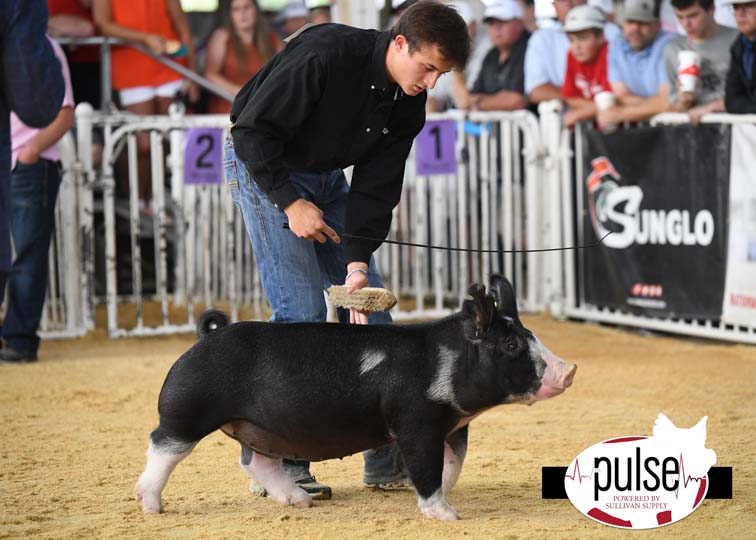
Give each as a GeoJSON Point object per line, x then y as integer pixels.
{"type": "Point", "coordinates": [142, 101]}
{"type": "Point", "coordinates": [288, 270]}
{"type": "Point", "coordinates": [383, 466]}
{"type": "Point", "coordinates": [34, 189]}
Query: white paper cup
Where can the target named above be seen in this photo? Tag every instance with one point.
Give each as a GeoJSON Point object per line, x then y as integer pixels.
{"type": "Point", "coordinates": [688, 70]}
{"type": "Point", "coordinates": [604, 100]}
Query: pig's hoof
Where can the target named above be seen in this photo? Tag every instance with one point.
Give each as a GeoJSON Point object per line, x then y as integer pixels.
{"type": "Point", "coordinates": [151, 504]}
{"type": "Point", "coordinates": [298, 498]}
{"type": "Point", "coordinates": [440, 512]}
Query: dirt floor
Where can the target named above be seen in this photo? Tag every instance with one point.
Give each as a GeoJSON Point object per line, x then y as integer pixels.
{"type": "Point", "coordinates": [75, 428]}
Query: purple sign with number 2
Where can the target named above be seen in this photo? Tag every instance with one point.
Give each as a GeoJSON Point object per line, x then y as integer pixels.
{"type": "Point", "coordinates": [203, 156]}
{"type": "Point", "coordinates": [435, 148]}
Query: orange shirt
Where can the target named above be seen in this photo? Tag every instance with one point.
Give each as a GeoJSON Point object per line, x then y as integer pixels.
{"type": "Point", "coordinates": [131, 67]}
{"type": "Point", "coordinates": [230, 70]}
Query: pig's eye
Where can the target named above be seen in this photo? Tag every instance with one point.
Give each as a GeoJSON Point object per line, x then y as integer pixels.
{"type": "Point", "coordinates": [511, 345]}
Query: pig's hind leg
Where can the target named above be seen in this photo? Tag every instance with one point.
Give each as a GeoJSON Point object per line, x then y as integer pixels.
{"type": "Point", "coordinates": [455, 449]}
{"type": "Point", "coordinates": [269, 473]}
{"type": "Point", "coordinates": [163, 454]}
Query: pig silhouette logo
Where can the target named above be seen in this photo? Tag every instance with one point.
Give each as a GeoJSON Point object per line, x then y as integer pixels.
{"type": "Point", "coordinates": [641, 482]}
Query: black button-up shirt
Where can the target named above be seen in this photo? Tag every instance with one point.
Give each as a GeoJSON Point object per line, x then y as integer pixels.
{"type": "Point", "coordinates": [325, 103]}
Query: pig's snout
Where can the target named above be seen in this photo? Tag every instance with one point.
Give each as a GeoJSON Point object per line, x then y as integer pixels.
{"type": "Point", "coordinates": [557, 377]}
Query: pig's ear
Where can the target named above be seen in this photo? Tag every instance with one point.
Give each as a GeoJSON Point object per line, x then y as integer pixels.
{"type": "Point", "coordinates": [480, 307]}
{"type": "Point", "coordinates": [504, 296]}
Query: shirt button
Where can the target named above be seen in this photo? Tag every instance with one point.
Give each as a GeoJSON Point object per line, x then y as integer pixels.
{"type": "Point", "coordinates": [385, 131]}
{"type": "Point", "coordinates": [368, 130]}
{"type": "Point", "coordinates": [372, 87]}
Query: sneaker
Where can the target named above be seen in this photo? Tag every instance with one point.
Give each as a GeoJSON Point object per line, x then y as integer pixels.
{"type": "Point", "coordinates": [12, 356]}
{"type": "Point", "coordinates": [400, 482]}
{"type": "Point", "coordinates": [318, 491]}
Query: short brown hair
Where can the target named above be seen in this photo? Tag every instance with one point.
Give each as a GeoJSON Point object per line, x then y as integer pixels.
{"type": "Point", "coordinates": [427, 23]}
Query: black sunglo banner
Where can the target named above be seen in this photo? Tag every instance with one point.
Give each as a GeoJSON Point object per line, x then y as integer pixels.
{"type": "Point", "coordinates": [663, 191]}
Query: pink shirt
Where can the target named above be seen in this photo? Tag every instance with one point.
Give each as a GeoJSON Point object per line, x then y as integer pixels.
{"type": "Point", "coordinates": [22, 134]}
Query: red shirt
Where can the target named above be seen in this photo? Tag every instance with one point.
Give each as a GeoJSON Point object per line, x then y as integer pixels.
{"type": "Point", "coordinates": [88, 53]}
{"type": "Point", "coordinates": [586, 80]}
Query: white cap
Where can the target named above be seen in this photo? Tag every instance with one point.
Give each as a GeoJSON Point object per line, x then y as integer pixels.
{"type": "Point", "coordinates": [312, 4]}
{"type": "Point", "coordinates": [732, 2]}
{"type": "Point", "coordinates": [607, 6]}
{"type": "Point", "coordinates": [584, 17]}
{"type": "Point", "coordinates": [465, 11]}
{"type": "Point", "coordinates": [641, 10]}
{"type": "Point", "coordinates": [293, 10]}
{"type": "Point", "coordinates": [502, 10]}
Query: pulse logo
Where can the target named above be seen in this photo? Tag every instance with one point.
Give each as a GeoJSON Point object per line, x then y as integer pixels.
{"type": "Point", "coordinates": [642, 482]}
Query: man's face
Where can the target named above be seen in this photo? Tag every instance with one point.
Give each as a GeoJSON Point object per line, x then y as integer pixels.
{"type": "Point", "coordinates": [562, 7]}
{"type": "Point", "coordinates": [745, 18]}
{"type": "Point", "coordinates": [695, 20]}
{"type": "Point", "coordinates": [585, 45]}
{"type": "Point", "coordinates": [414, 72]}
{"type": "Point", "coordinates": [504, 34]}
{"type": "Point", "coordinates": [640, 35]}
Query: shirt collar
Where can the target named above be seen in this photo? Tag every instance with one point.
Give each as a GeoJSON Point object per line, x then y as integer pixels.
{"type": "Point", "coordinates": [747, 43]}
{"type": "Point", "coordinates": [378, 77]}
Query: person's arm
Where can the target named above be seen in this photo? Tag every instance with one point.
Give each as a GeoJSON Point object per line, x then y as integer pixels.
{"type": "Point", "coordinates": [580, 110]}
{"type": "Point", "coordinates": [48, 136]}
{"type": "Point", "coordinates": [696, 113]}
{"type": "Point", "coordinates": [32, 82]}
{"type": "Point", "coordinates": [504, 100]}
{"type": "Point", "coordinates": [643, 110]}
{"type": "Point", "coordinates": [544, 92]}
{"type": "Point", "coordinates": [736, 93]}
{"type": "Point", "coordinates": [623, 94]}
{"type": "Point", "coordinates": [181, 24]}
{"type": "Point", "coordinates": [70, 26]}
{"type": "Point", "coordinates": [216, 52]}
{"type": "Point", "coordinates": [103, 17]}
{"type": "Point", "coordinates": [460, 92]}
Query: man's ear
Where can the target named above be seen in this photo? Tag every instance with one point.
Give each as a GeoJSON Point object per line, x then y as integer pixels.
{"type": "Point", "coordinates": [400, 42]}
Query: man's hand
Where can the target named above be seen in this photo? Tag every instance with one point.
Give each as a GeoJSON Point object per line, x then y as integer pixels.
{"type": "Point", "coordinates": [29, 154]}
{"type": "Point", "coordinates": [306, 221]}
{"type": "Point", "coordinates": [684, 101]}
{"type": "Point", "coordinates": [610, 116]}
{"type": "Point", "coordinates": [357, 279]}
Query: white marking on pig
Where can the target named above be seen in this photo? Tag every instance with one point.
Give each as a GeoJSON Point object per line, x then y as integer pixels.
{"type": "Point", "coordinates": [279, 485]}
{"type": "Point", "coordinates": [436, 507]}
{"type": "Point", "coordinates": [161, 461]}
{"type": "Point", "coordinates": [537, 355]}
{"type": "Point", "coordinates": [442, 388]}
{"type": "Point", "coordinates": [452, 469]}
{"type": "Point", "coordinates": [370, 359]}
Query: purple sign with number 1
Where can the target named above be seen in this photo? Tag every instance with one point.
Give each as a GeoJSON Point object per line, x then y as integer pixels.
{"type": "Point", "coordinates": [203, 156]}
{"type": "Point", "coordinates": [435, 148]}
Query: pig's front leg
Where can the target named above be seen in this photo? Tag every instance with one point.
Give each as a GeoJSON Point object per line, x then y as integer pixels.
{"type": "Point", "coordinates": [455, 449]}
{"type": "Point", "coordinates": [423, 453]}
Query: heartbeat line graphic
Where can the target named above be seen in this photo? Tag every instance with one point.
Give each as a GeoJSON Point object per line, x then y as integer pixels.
{"type": "Point", "coordinates": [576, 474]}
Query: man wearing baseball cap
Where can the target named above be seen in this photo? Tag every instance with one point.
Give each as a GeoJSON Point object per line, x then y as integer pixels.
{"type": "Point", "coordinates": [586, 63]}
{"type": "Point", "coordinates": [636, 66]}
{"type": "Point", "coordinates": [740, 86]}
{"type": "Point", "coordinates": [500, 85]}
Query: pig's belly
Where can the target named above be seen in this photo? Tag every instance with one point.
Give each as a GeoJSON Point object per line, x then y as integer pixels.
{"type": "Point", "coordinates": [270, 444]}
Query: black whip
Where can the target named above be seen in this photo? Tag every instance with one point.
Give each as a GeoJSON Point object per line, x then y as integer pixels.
{"type": "Point", "coordinates": [470, 250]}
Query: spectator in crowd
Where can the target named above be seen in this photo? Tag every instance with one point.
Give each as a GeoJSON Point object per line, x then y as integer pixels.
{"type": "Point", "coordinates": [586, 63]}
{"type": "Point", "coordinates": [442, 96]}
{"type": "Point", "coordinates": [740, 88]}
{"type": "Point", "coordinates": [336, 96]}
{"type": "Point", "coordinates": [31, 85]}
{"type": "Point", "coordinates": [73, 18]}
{"type": "Point", "coordinates": [546, 57]}
{"type": "Point", "coordinates": [320, 11]}
{"type": "Point", "coordinates": [291, 18]}
{"type": "Point", "coordinates": [500, 83]}
{"type": "Point", "coordinates": [35, 178]}
{"type": "Point", "coordinates": [606, 7]}
{"type": "Point", "coordinates": [712, 43]}
{"type": "Point", "coordinates": [144, 85]}
{"type": "Point", "coordinates": [636, 66]}
{"type": "Point", "coordinates": [238, 50]}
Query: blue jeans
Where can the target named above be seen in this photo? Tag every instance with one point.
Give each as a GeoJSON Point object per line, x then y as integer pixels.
{"type": "Point", "coordinates": [295, 272]}
{"type": "Point", "coordinates": [34, 189]}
